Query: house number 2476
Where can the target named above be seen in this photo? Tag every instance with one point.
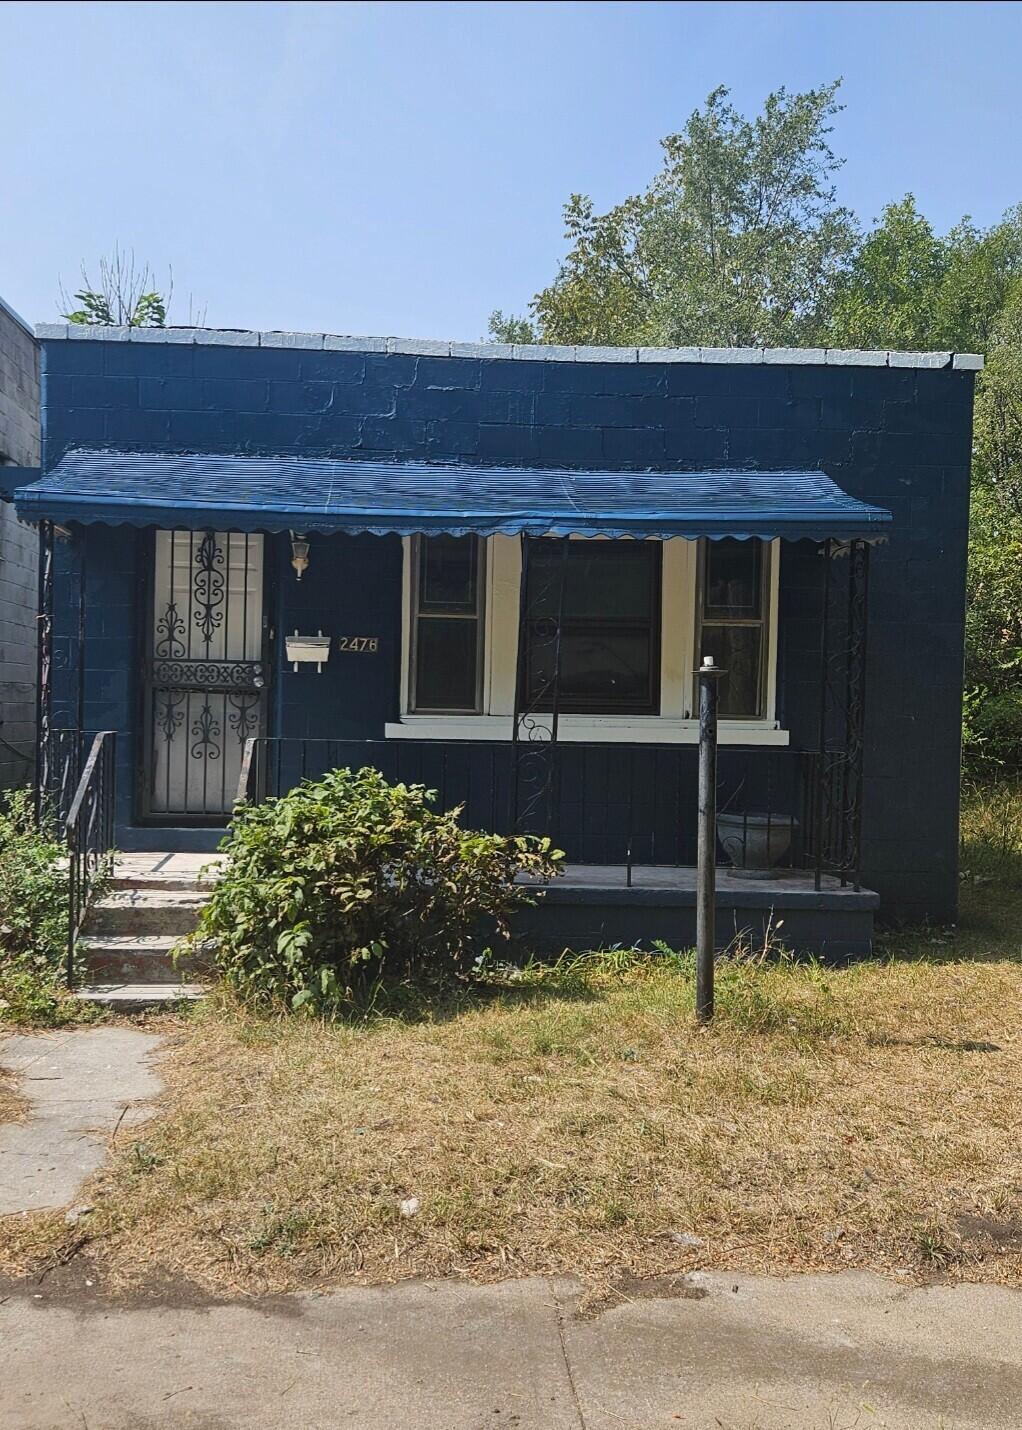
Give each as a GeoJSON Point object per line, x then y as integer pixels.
{"type": "Point", "coordinates": [361, 645]}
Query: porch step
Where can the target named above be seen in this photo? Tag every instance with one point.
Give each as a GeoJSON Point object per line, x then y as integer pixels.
{"type": "Point", "coordinates": [161, 883]}
{"type": "Point", "coordinates": [133, 958]}
{"type": "Point", "coordinates": [129, 910]}
{"type": "Point", "coordinates": [135, 997]}
{"type": "Point", "coordinates": [124, 958]}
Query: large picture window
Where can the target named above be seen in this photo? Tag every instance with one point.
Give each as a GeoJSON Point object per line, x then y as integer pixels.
{"type": "Point", "coordinates": [610, 626]}
{"type": "Point", "coordinates": [636, 619]}
{"type": "Point", "coordinates": [733, 605]}
{"type": "Point", "coordinates": [447, 607]}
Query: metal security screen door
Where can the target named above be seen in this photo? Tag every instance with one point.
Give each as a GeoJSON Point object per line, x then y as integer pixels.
{"type": "Point", "coordinates": [206, 671]}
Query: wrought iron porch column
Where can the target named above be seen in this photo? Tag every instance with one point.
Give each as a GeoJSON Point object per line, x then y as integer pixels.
{"type": "Point", "coordinates": [838, 773]}
{"type": "Point", "coordinates": [855, 704]}
{"type": "Point", "coordinates": [44, 663]}
{"type": "Point", "coordinates": [81, 544]}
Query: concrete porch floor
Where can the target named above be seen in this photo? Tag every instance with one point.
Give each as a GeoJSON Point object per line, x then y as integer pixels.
{"type": "Point", "coordinates": [593, 906]}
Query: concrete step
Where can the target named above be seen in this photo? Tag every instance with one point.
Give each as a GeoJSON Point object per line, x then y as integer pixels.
{"type": "Point", "coordinates": [133, 997]}
{"type": "Point", "coordinates": [134, 958]}
{"type": "Point", "coordinates": [171, 882]}
{"type": "Point", "coordinates": [132, 911]}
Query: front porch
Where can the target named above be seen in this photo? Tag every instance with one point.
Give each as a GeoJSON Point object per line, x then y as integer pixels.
{"type": "Point", "coordinates": [236, 660]}
{"type": "Point", "coordinates": [125, 957]}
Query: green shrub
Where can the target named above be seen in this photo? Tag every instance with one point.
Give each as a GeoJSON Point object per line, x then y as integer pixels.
{"type": "Point", "coordinates": [992, 732]}
{"type": "Point", "coordinates": [33, 916]}
{"type": "Point", "coordinates": [349, 882]}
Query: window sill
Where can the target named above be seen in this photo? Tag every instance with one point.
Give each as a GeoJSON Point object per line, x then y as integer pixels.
{"type": "Point", "coordinates": [596, 729]}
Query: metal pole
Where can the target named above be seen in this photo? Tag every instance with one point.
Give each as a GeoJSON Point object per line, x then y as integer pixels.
{"type": "Point", "coordinates": [706, 858]}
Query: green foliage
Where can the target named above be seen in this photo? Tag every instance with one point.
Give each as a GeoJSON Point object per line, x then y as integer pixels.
{"type": "Point", "coordinates": [33, 917]}
{"type": "Point", "coordinates": [908, 287]}
{"type": "Point", "coordinates": [149, 311]}
{"type": "Point", "coordinates": [506, 328]}
{"type": "Point", "coordinates": [348, 883]}
{"type": "Point", "coordinates": [738, 239]}
{"type": "Point", "coordinates": [992, 730]}
{"type": "Point", "coordinates": [124, 296]}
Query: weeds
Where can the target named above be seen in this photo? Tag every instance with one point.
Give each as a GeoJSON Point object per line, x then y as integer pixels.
{"type": "Point", "coordinates": [571, 1118]}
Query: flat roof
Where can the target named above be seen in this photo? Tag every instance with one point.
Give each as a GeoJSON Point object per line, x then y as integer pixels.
{"type": "Point", "coordinates": [534, 352]}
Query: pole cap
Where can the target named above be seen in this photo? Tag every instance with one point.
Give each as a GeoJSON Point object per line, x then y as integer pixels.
{"type": "Point", "coordinates": [709, 668]}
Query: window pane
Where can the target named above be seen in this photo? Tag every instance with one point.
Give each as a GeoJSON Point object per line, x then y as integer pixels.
{"type": "Point", "coordinates": [609, 670]}
{"type": "Point", "coordinates": [733, 579]}
{"type": "Point", "coordinates": [603, 580]}
{"type": "Point", "coordinates": [448, 573]}
{"type": "Point", "coordinates": [739, 650]}
{"type": "Point", "coordinates": [610, 625]}
{"type": "Point", "coordinates": [445, 664]}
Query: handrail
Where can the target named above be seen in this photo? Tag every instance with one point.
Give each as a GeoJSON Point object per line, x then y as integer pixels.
{"type": "Point", "coordinates": [89, 831]}
{"type": "Point", "coordinates": [85, 781]}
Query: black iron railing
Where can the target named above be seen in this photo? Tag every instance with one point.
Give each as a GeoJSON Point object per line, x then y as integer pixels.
{"type": "Point", "coordinates": [60, 759]}
{"type": "Point", "coordinates": [621, 804]}
{"type": "Point", "coordinates": [89, 831]}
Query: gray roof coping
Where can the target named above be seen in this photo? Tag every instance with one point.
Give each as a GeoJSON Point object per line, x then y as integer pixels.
{"type": "Point", "coordinates": [534, 352]}
{"type": "Point", "coordinates": [17, 318]}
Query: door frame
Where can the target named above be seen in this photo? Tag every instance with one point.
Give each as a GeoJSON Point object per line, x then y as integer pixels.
{"type": "Point", "coordinates": [144, 816]}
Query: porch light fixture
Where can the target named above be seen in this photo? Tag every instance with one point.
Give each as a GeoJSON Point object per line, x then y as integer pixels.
{"type": "Point", "coordinates": [299, 553]}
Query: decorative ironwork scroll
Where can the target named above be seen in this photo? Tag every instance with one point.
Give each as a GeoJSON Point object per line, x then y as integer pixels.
{"type": "Point", "coordinates": [209, 587]}
{"type": "Point", "coordinates": [534, 762]}
{"type": "Point", "coordinates": [208, 674]}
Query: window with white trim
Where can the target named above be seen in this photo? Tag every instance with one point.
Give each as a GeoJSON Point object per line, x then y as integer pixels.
{"type": "Point", "coordinates": [733, 592]}
{"type": "Point", "coordinates": [447, 624]}
{"type": "Point", "coordinates": [635, 619]}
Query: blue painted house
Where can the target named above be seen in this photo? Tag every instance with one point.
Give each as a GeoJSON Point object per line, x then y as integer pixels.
{"type": "Point", "coordinates": [496, 569]}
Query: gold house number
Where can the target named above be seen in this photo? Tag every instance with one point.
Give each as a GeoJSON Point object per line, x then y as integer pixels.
{"type": "Point", "coordinates": [360, 644]}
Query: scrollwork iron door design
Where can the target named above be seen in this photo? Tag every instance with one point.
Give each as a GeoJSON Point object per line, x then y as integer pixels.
{"type": "Point", "coordinates": [206, 670]}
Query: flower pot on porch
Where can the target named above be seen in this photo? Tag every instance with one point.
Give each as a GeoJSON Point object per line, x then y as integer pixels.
{"type": "Point", "coordinates": [755, 843]}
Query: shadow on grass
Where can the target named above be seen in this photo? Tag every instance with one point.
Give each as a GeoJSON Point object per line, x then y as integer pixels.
{"type": "Point", "coordinates": [444, 999]}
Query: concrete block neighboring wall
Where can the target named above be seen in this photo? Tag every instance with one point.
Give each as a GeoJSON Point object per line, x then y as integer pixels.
{"type": "Point", "coordinates": [19, 445]}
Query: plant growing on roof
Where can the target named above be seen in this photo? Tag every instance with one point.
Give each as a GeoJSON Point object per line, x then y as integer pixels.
{"type": "Point", "coordinates": [347, 881]}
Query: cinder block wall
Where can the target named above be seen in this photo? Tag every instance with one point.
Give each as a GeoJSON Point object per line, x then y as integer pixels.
{"type": "Point", "coordinates": [19, 446]}
{"type": "Point", "coordinates": [895, 435]}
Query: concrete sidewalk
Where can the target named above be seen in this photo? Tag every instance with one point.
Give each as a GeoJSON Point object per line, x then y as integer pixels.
{"type": "Point", "coordinates": [82, 1086]}
{"type": "Point", "coordinates": [838, 1353]}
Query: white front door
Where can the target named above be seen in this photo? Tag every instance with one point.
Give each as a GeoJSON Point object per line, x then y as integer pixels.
{"type": "Point", "coordinates": [206, 672]}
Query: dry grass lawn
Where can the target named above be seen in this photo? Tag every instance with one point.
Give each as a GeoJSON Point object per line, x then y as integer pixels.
{"type": "Point", "coordinates": [577, 1121]}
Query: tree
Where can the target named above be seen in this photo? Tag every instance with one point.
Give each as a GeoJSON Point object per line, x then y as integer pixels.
{"type": "Point", "coordinates": [124, 296]}
{"type": "Point", "coordinates": [738, 240]}
{"type": "Point", "coordinates": [909, 288]}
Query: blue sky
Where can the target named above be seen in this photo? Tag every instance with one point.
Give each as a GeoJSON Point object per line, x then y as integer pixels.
{"type": "Point", "coordinates": [392, 168]}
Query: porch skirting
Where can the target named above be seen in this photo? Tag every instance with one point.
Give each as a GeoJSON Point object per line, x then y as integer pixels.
{"type": "Point", "coordinates": [592, 906]}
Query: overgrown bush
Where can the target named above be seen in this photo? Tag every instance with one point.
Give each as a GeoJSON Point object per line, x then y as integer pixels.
{"type": "Point", "coordinates": [348, 882]}
{"type": "Point", "coordinates": [992, 732]}
{"type": "Point", "coordinates": [33, 916]}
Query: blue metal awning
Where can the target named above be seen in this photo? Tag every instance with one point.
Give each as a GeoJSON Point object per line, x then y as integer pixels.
{"type": "Point", "coordinates": [305, 494]}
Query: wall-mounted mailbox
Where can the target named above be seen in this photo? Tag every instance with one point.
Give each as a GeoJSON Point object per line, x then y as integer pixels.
{"type": "Point", "coordinates": [306, 650]}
